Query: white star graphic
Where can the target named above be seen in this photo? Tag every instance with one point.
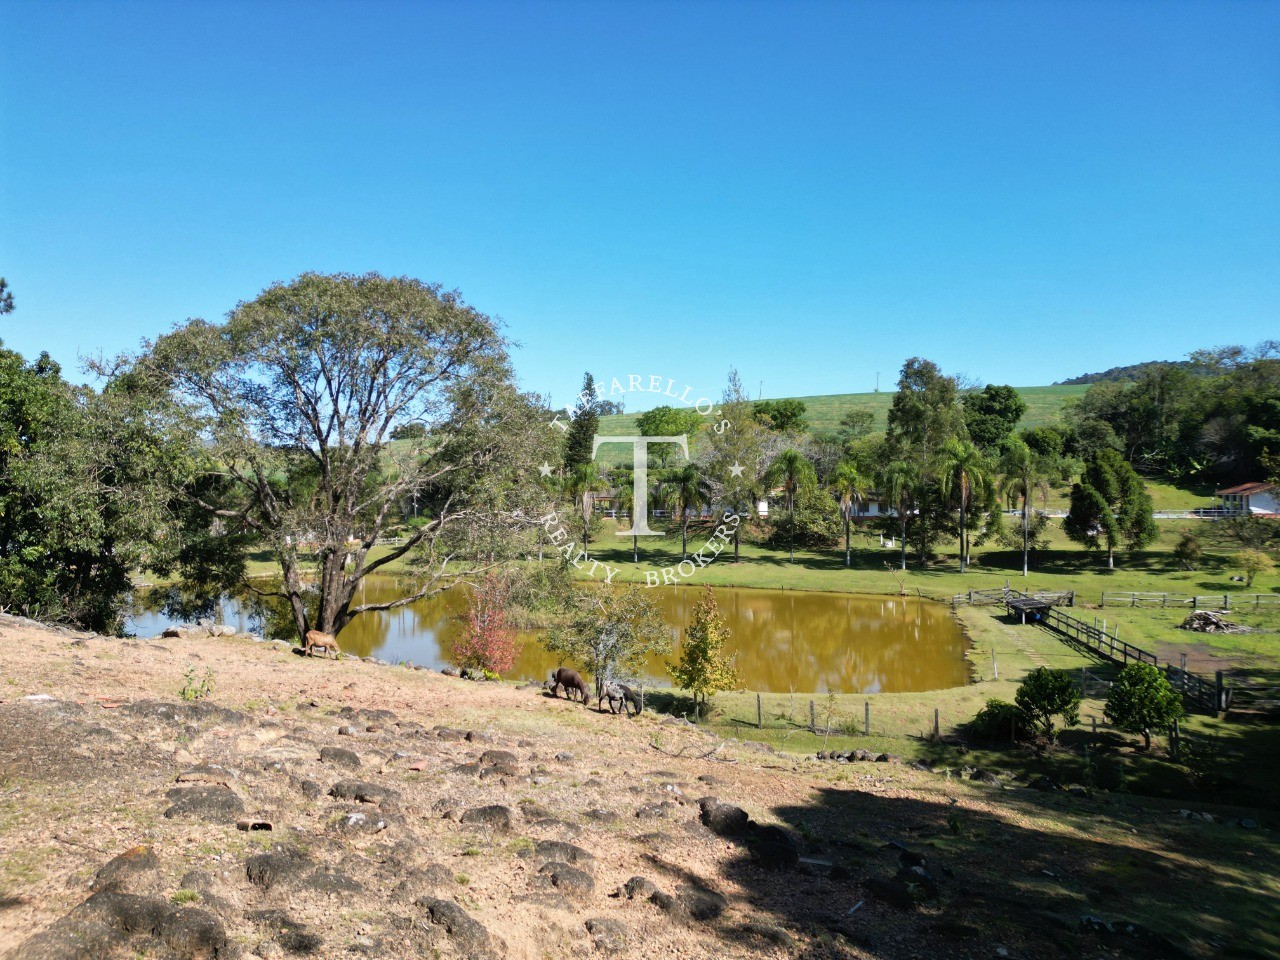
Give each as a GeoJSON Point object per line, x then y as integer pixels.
{"type": "Point", "coordinates": [737, 469]}
{"type": "Point", "coordinates": [545, 469]}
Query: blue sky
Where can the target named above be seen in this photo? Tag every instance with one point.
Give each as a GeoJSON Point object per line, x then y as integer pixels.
{"type": "Point", "coordinates": [810, 192]}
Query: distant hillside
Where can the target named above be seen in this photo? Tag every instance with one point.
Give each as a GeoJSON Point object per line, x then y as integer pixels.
{"type": "Point", "coordinates": [1126, 374]}
{"type": "Point", "coordinates": [1044, 405]}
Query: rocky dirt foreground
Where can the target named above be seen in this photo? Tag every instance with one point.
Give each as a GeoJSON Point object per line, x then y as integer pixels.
{"type": "Point", "coordinates": [346, 809]}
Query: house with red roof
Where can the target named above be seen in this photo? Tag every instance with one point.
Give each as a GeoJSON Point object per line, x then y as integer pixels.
{"type": "Point", "coordinates": [1255, 499]}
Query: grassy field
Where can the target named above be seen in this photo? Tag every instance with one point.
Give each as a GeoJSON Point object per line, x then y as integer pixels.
{"type": "Point", "coordinates": [1044, 405]}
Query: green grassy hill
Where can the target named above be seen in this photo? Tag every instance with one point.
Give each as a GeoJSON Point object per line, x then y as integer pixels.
{"type": "Point", "coordinates": [1044, 405]}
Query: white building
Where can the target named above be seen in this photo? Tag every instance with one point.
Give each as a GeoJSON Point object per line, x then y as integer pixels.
{"type": "Point", "coordinates": [1256, 499]}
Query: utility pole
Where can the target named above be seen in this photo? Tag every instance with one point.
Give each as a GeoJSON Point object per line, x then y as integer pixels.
{"type": "Point", "coordinates": [760, 391]}
{"type": "Point", "coordinates": [877, 381]}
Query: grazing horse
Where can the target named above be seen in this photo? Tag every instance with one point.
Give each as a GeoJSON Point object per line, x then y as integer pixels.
{"type": "Point", "coordinates": [621, 697]}
{"type": "Point", "coordinates": [570, 680]}
{"type": "Point", "coordinates": [321, 641]}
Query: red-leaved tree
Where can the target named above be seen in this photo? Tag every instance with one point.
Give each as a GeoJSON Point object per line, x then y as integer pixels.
{"type": "Point", "coordinates": [487, 642]}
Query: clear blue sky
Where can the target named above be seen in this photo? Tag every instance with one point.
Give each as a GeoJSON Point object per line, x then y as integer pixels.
{"type": "Point", "coordinates": [812, 192]}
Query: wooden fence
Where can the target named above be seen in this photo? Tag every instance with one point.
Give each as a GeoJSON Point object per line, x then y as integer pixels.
{"type": "Point", "coordinates": [1212, 601]}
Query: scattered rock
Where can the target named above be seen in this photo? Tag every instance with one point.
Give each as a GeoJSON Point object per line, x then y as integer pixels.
{"type": "Point", "coordinates": [215, 804]}
{"type": "Point", "coordinates": [701, 904]}
{"type": "Point", "coordinates": [564, 853]}
{"type": "Point", "coordinates": [361, 792]}
{"type": "Point", "coordinates": [655, 811]}
{"type": "Point", "coordinates": [496, 817]}
{"type": "Point", "coordinates": [894, 892]}
{"type": "Point", "coordinates": [278, 865]}
{"type": "Point", "coordinates": [637, 888]}
{"type": "Point", "coordinates": [467, 933]}
{"type": "Point", "coordinates": [340, 756]}
{"type": "Point", "coordinates": [723, 819]}
{"type": "Point", "coordinates": [568, 880]}
{"type": "Point", "coordinates": [773, 847]}
{"type": "Point", "coordinates": [357, 820]}
{"type": "Point", "coordinates": [607, 935]}
{"type": "Point", "coordinates": [295, 937]}
{"type": "Point", "coordinates": [126, 872]}
{"type": "Point", "coordinates": [208, 773]}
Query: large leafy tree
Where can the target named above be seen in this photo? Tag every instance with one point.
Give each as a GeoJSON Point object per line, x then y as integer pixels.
{"type": "Point", "coordinates": [965, 474]}
{"type": "Point", "coordinates": [667, 422]}
{"type": "Point", "coordinates": [610, 634]}
{"type": "Point", "coordinates": [784, 416]}
{"type": "Point", "coordinates": [1141, 700]}
{"type": "Point", "coordinates": [736, 454]}
{"type": "Point", "coordinates": [924, 416]}
{"type": "Point", "coordinates": [702, 668]}
{"type": "Point", "coordinates": [296, 397]}
{"type": "Point", "coordinates": [1109, 506]}
{"type": "Point", "coordinates": [991, 414]}
{"type": "Point", "coordinates": [82, 493]}
{"type": "Point", "coordinates": [794, 474]}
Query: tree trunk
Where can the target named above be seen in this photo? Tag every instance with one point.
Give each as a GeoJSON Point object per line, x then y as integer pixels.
{"type": "Point", "coordinates": [1111, 558]}
{"type": "Point", "coordinates": [1146, 736]}
{"type": "Point", "coordinates": [903, 539]}
{"type": "Point", "coordinates": [847, 555]}
{"type": "Point", "coordinates": [684, 534]}
{"type": "Point", "coordinates": [791, 512]}
{"type": "Point", "coordinates": [1026, 521]}
{"type": "Point", "coordinates": [964, 543]}
{"type": "Point", "coordinates": [635, 547]}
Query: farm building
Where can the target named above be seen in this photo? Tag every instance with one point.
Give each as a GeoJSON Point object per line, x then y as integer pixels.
{"type": "Point", "coordinates": [1256, 499]}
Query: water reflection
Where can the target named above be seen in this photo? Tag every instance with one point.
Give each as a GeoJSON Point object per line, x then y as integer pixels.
{"type": "Point", "coordinates": [782, 640]}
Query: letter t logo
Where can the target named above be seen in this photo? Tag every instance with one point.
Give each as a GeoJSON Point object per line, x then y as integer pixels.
{"type": "Point", "coordinates": [640, 476]}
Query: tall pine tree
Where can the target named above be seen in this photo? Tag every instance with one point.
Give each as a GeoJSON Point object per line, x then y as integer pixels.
{"type": "Point", "coordinates": [584, 427]}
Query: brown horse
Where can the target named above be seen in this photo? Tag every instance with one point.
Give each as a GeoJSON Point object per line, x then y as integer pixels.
{"type": "Point", "coordinates": [570, 680]}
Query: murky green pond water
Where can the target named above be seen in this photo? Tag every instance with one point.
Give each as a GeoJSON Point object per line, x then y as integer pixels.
{"type": "Point", "coordinates": [782, 640]}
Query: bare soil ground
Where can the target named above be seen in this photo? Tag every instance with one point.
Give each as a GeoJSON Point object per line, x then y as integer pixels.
{"type": "Point", "coordinates": [417, 815]}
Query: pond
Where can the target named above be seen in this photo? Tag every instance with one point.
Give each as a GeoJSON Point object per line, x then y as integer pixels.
{"type": "Point", "coordinates": [782, 640]}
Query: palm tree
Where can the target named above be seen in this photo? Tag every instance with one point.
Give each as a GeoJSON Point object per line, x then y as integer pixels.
{"type": "Point", "coordinates": [793, 472]}
{"type": "Point", "coordinates": [684, 490]}
{"type": "Point", "coordinates": [582, 486]}
{"type": "Point", "coordinates": [1023, 470]}
{"type": "Point", "coordinates": [851, 489]}
{"type": "Point", "coordinates": [964, 470]}
{"type": "Point", "coordinates": [898, 482]}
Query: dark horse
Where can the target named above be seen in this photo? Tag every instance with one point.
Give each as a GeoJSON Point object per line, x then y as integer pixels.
{"type": "Point", "coordinates": [570, 680]}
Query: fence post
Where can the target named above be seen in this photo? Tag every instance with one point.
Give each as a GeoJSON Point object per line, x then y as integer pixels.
{"type": "Point", "coordinates": [1082, 689]}
{"type": "Point", "coordinates": [1095, 732]}
{"type": "Point", "coordinates": [759, 713]}
{"type": "Point", "coordinates": [1218, 693]}
{"type": "Point", "coordinates": [1195, 602]}
{"type": "Point", "coordinates": [937, 730]}
{"type": "Point", "coordinates": [813, 719]}
{"type": "Point", "coordinates": [866, 719]}
{"type": "Point", "coordinates": [1175, 734]}
{"type": "Point", "coordinates": [995, 667]}
{"type": "Point", "coordinates": [1226, 601]}
{"type": "Point", "coordinates": [1102, 605]}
